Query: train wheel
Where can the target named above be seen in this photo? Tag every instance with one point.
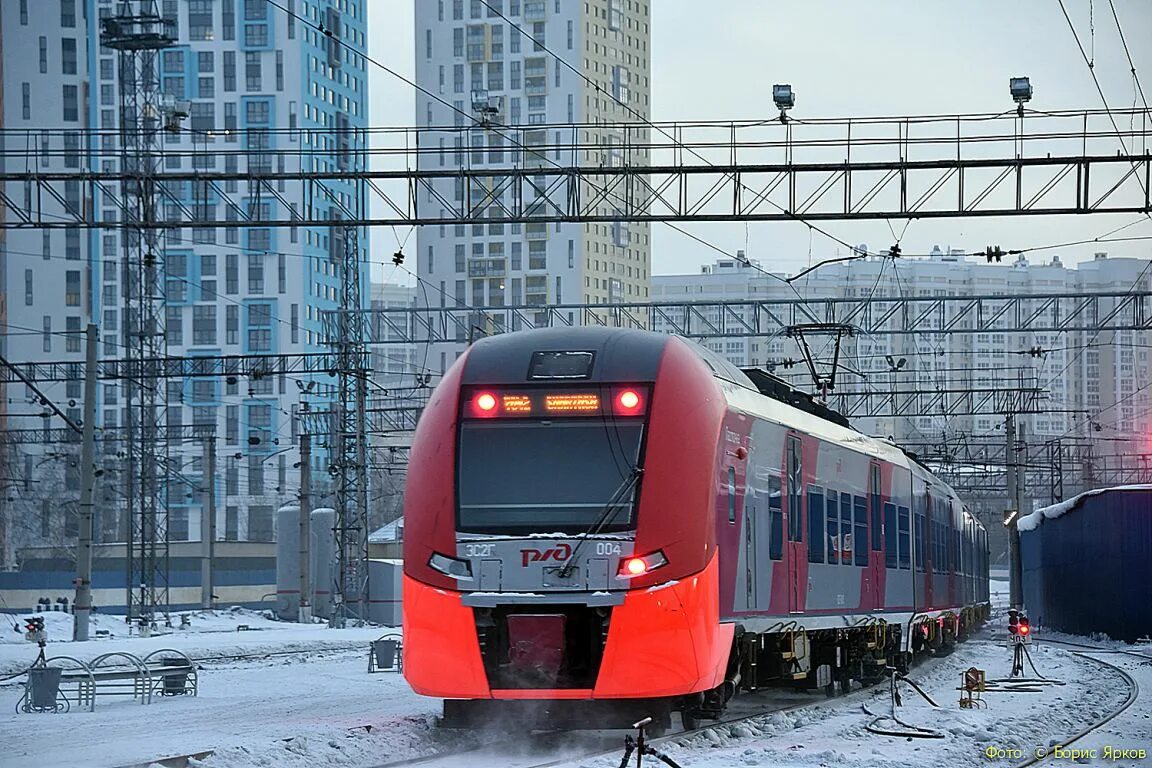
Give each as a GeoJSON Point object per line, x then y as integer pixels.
{"type": "Point", "coordinates": [690, 721]}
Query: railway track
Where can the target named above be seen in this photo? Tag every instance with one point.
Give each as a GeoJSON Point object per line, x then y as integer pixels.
{"type": "Point", "coordinates": [1047, 755]}
{"type": "Point", "coordinates": [540, 750]}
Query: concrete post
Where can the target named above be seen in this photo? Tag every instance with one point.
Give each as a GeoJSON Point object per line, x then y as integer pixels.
{"type": "Point", "coordinates": [82, 603]}
{"type": "Point", "coordinates": [208, 523]}
{"type": "Point", "coordinates": [305, 527]}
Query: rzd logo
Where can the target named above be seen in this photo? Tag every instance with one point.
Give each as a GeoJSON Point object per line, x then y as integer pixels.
{"type": "Point", "coordinates": [559, 553]}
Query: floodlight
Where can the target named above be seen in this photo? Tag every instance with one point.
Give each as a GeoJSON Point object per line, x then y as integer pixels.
{"type": "Point", "coordinates": [783, 96]}
{"type": "Point", "coordinates": [1021, 90]}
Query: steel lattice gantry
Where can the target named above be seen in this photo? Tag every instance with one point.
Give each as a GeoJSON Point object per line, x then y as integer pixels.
{"type": "Point", "coordinates": [1086, 313]}
{"type": "Point", "coordinates": [1072, 162]}
{"type": "Point", "coordinates": [877, 316]}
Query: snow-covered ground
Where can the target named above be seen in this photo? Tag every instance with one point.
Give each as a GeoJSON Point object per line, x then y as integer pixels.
{"type": "Point", "coordinates": [314, 704]}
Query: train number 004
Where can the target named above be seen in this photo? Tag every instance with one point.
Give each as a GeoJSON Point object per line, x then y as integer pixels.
{"type": "Point", "coordinates": [607, 548]}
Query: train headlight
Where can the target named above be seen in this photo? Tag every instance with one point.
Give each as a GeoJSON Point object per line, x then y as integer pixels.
{"type": "Point", "coordinates": [631, 567]}
{"type": "Point", "coordinates": [450, 566]}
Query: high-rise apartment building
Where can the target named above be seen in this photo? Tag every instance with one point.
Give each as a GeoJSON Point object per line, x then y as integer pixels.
{"type": "Point", "coordinates": [557, 73]}
{"type": "Point", "coordinates": [263, 91]}
{"type": "Point", "coordinates": [1099, 375]}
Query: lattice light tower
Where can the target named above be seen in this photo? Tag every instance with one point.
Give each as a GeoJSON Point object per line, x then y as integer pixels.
{"type": "Point", "coordinates": [138, 33]}
{"type": "Point", "coordinates": [349, 444]}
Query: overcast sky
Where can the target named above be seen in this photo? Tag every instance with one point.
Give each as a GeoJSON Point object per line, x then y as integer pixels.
{"type": "Point", "coordinates": [717, 61]}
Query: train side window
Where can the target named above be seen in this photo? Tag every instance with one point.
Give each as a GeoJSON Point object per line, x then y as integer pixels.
{"type": "Point", "coordinates": [815, 524]}
{"type": "Point", "coordinates": [860, 532]}
{"type": "Point", "coordinates": [731, 494]}
{"type": "Point", "coordinates": [846, 528]}
{"type": "Point", "coordinates": [891, 559]}
{"type": "Point", "coordinates": [874, 502]}
{"type": "Point", "coordinates": [795, 491]}
{"type": "Point", "coordinates": [833, 501]}
{"type": "Point", "coordinates": [775, 519]}
{"type": "Point", "coordinates": [902, 528]}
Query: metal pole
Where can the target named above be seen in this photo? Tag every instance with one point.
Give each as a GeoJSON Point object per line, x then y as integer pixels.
{"type": "Point", "coordinates": [305, 528]}
{"type": "Point", "coordinates": [1016, 591]}
{"type": "Point", "coordinates": [208, 523]}
{"type": "Point", "coordinates": [82, 603]}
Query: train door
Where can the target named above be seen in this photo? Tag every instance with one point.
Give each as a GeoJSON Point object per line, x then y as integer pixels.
{"type": "Point", "coordinates": [751, 568]}
{"type": "Point", "coordinates": [872, 577]}
{"type": "Point", "coordinates": [931, 513]}
{"type": "Point", "coordinates": [796, 557]}
{"type": "Point", "coordinates": [953, 553]}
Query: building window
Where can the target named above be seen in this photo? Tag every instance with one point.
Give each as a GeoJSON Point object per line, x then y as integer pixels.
{"type": "Point", "coordinates": [228, 27]}
{"type": "Point", "coordinates": [200, 20]}
{"type": "Point", "coordinates": [26, 101]}
{"type": "Point", "coordinates": [229, 70]}
{"type": "Point", "coordinates": [259, 517]}
{"type": "Point", "coordinates": [72, 340]}
{"type": "Point", "coordinates": [231, 324]}
{"type": "Point", "coordinates": [71, 104]}
{"type": "Point", "coordinates": [203, 114]}
{"type": "Point", "coordinates": [260, 327]}
{"type": "Point", "coordinates": [255, 273]}
{"type": "Point", "coordinates": [174, 325]}
{"type": "Point", "coordinates": [252, 72]}
{"type": "Point", "coordinates": [44, 54]}
{"type": "Point", "coordinates": [71, 288]}
{"type": "Point", "coordinates": [67, 13]}
{"type": "Point", "coordinates": [204, 324]}
{"type": "Point", "coordinates": [256, 35]}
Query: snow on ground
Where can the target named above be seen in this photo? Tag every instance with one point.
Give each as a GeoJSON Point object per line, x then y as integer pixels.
{"type": "Point", "coordinates": [1014, 725]}
{"type": "Point", "coordinates": [315, 705]}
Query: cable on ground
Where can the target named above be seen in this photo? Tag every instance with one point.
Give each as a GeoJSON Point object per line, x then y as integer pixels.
{"type": "Point", "coordinates": [910, 731]}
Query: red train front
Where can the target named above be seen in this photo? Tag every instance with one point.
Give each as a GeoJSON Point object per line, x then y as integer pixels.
{"type": "Point", "coordinates": [557, 546]}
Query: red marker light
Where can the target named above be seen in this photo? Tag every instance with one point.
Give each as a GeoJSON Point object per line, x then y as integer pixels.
{"type": "Point", "coordinates": [485, 404]}
{"type": "Point", "coordinates": [628, 402]}
{"type": "Point", "coordinates": [638, 566]}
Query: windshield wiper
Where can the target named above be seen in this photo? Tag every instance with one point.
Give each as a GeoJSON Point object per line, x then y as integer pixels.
{"type": "Point", "coordinates": [606, 515]}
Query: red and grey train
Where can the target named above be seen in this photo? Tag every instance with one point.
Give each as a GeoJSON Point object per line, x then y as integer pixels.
{"type": "Point", "coordinates": [606, 523]}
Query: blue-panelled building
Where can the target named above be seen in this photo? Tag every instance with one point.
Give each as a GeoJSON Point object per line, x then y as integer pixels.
{"type": "Point", "coordinates": [264, 90]}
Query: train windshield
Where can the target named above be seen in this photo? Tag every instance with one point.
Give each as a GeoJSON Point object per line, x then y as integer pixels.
{"type": "Point", "coordinates": [544, 476]}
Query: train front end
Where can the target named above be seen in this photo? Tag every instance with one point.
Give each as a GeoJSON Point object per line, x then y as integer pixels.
{"type": "Point", "coordinates": [559, 555]}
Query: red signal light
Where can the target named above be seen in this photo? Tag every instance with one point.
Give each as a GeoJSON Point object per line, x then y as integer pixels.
{"type": "Point", "coordinates": [484, 404]}
{"type": "Point", "coordinates": [628, 402]}
{"type": "Point", "coordinates": [635, 566]}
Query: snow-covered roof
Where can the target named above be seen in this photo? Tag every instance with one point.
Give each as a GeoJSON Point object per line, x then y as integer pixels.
{"type": "Point", "coordinates": [393, 531]}
{"type": "Point", "coordinates": [1031, 521]}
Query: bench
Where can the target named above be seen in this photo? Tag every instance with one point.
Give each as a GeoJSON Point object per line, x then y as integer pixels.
{"type": "Point", "coordinates": [166, 672]}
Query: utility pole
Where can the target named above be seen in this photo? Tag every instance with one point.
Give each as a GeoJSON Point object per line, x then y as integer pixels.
{"type": "Point", "coordinates": [208, 522]}
{"type": "Point", "coordinates": [82, 603]}
{"type": "Point", "coordinates": [305, 527]}
{"type": "Point", "coordinates": [1015, 496]}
